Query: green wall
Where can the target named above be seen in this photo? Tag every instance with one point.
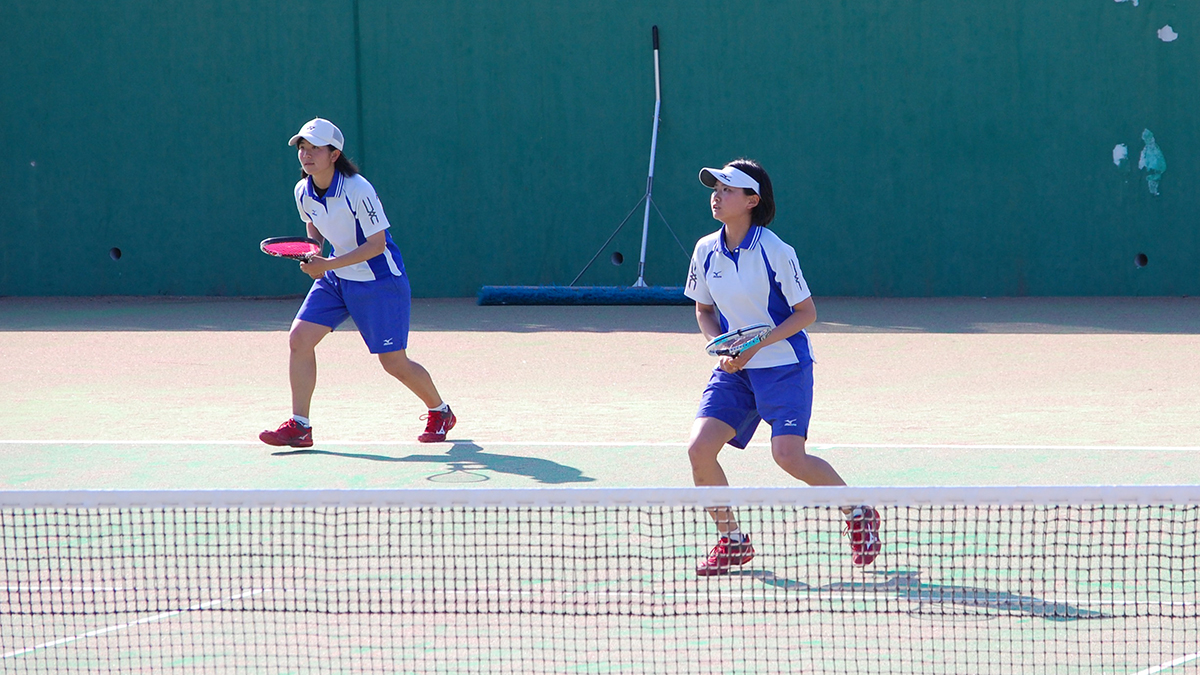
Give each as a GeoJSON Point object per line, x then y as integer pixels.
{"type": "Point", "coordinates": [918, 148]}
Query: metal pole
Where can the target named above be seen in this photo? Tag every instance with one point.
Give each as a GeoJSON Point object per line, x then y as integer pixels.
{"type": "Point", "coordinates": [641, 280]}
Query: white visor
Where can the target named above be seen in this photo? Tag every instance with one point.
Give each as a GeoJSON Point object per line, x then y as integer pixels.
{"type": "Point", "coordinates": [730, 176]}
{"type": "Point", "coordinates": [320, 132]}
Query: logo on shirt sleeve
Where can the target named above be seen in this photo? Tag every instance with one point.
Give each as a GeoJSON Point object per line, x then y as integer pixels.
{"type": "Point", "coordinates": [370, 211]}
{"type": "Point", "coordinates": [692, 277]}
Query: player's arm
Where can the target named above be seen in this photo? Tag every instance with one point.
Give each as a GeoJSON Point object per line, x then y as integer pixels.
{"type": "Point", "coordinates": [710, 326]}
{"type": "Point", "coordinates": [314, 233]}
{"type": "Point", "coordinates": [804, 314]}
{"type": "Point", "coordinates": [710, 323]}
{"type": "Point", "coordinates": [373, 246]}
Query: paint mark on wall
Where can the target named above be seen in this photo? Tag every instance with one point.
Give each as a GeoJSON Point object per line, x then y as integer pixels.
{"type": "Point", "coordinates": [1167, 34]}
{"type": "Point", "coordinates": [1152, 161]}
{"type": "Point", "coordinates": [1135, 2]}
{"type": "Point", "coordinates": [1120, 153]}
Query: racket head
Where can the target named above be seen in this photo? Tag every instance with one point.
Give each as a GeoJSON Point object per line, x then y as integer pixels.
{"type": "Point", "coordinates": [292, 248]}
{"type": "Point", "coordinates": [737, 341]}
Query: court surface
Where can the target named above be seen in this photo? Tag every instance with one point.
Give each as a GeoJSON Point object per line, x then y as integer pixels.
{"type": "Point", "coordinates": [171, 393]}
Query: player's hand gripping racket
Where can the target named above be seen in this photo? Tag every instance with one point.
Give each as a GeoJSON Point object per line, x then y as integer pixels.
{"type": "Point", "coordinates": [735, 342]}
{"type": "Point", "coordinates": [292, 248]}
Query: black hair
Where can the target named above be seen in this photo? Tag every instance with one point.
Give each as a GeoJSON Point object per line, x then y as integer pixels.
{"type": "Point", "coordinates": [344, 164]}
{"type": "Point", "coordinates": [764, 212]}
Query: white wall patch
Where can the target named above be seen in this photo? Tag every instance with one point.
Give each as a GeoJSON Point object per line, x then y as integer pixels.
{"type": "Point", "coordinates": [1167, 34]}
{"type": "Point", "coordinates": [1152, 161]}
{"type": "Point", "coordinates": [1120, 153]}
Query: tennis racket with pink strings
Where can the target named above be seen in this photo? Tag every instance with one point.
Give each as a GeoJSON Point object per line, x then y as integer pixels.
{"type": "Point", "coordinates": [292, 248]}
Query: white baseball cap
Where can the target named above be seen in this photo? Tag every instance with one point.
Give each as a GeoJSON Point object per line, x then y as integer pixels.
{"type": "Point", "coordinates": [320, 132]}
{"type": "Point", "coordinates": [731, 176]}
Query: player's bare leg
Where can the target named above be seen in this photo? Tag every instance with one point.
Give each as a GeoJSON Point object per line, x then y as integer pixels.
{"type": "Point", "coordinates": [708, 437]}
{"type": "Point", "coordinates": [302, 372]}
{"type": "Point", "coordinates": [733, 546]}
{"type": "Point", "coordinates": [789, 453]}
{"type": "Point", "coordinates": [412, 375]}
{"type": "Point", "coordinates": [862, 521]}
{"type": "Point", "coordinates": [302, 363]}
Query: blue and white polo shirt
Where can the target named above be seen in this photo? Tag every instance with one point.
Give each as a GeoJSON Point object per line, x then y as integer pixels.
{"type": "Point", "coordinates": [349, 213]}
{"type": "Point", "coordinates": [757, 282]}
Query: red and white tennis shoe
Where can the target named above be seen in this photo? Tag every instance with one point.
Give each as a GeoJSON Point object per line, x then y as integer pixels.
{"type": "Point", "coordinates": [725, 555]}
{"type": "Point", "coordinates": [862, 526]}
{"type": "Point", "coordinates": [437, 425]}
{"type": "Point", "coordinates": [290, 433]}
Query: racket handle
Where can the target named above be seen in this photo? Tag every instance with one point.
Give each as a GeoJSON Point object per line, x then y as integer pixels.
{"type": "Point", "coordinates": [654, 30]}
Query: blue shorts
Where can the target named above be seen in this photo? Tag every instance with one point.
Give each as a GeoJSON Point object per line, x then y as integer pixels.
{"type": "Point", "coordinates": [781, 395]}
{"type": "Point", "coordinates": [379, 308]}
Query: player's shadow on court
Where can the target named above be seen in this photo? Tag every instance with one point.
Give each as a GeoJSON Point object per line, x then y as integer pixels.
{"type": "Point", "coordinates": [906, 585]}
{"type": "Point", "coordinates": [466, 462]}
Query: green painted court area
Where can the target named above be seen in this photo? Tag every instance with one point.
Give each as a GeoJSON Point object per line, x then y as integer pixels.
{"type": "Point", "coordinates": [170, 394]}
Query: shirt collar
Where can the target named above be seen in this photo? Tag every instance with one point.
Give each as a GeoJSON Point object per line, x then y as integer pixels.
{"type": "Point", "coordinates": [334, 186]}
{"type": "Point", "coordinates": [749, 242]}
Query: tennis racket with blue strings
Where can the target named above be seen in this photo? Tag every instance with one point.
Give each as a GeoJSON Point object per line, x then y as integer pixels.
{"type": "Point", "coordinates": [733, 343]}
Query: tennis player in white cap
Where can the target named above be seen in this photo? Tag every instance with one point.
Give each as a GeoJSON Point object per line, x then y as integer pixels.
{"type": "Point", "coordinates": [744, 274]}
{"type": "Point", "coordinates": [363, 279]}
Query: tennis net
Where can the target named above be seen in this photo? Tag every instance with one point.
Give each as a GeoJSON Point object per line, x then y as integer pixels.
{"type": "Point", "coordinates": [970, 580]}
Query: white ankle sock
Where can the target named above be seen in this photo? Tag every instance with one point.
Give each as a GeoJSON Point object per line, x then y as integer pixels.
{"type": "Point", "coordinates": [302, 420]}
{"type": "Point", "coordinates": [441, 408]}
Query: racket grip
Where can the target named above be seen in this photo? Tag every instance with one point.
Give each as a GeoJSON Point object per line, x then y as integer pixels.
{"type": "Point", "coordinates": [654, 30]}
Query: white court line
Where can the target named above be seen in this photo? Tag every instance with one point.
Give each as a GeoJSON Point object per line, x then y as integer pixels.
{"type": "Point", "coordinates": [1169, 664]}
{"type": "Point", "coordinates": [630, 444]}
{"type": "Point", "coordinates": [149, 619]}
